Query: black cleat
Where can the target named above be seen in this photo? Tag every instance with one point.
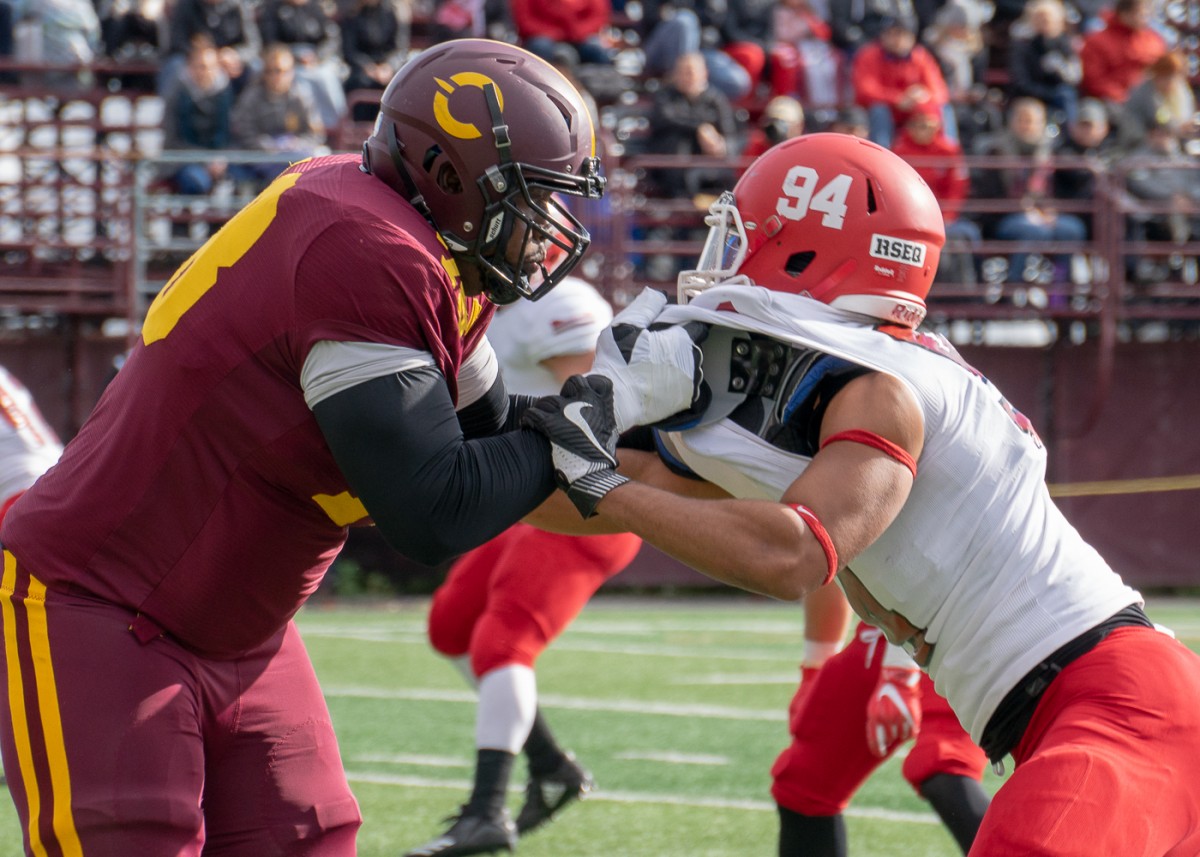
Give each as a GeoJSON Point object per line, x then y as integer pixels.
{"type": "Point", "coordinates": [547, 794]}
{"type": "Point", "coordinates": [471, 834]}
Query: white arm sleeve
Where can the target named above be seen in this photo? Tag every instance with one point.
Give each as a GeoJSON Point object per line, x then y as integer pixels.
{"type": "Point", "coordinates": [335, 366]}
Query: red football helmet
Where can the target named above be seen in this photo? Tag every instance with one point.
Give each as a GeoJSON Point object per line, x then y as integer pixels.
{"type": "Point", "coordinates": [479, 135]}
{"type": "Point", "coordinates": [830, 216]}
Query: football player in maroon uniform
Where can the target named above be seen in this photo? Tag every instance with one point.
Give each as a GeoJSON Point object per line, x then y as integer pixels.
{"type": "Point", "coordinates": [319, 363]}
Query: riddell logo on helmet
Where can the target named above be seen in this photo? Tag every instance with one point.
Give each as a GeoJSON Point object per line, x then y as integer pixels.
{"type": "Point", "coordinates": [898, 250]}
{"type": "Point", "coordinates": [907, 315]}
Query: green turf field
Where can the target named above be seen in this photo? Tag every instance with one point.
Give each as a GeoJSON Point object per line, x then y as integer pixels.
{"type": "Point", "coordinates": [677, 706]}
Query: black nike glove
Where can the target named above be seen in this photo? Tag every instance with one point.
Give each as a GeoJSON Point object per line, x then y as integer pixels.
{"type": "Point", "coordinates": [582, 430]}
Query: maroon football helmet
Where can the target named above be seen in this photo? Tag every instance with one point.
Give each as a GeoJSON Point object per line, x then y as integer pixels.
{"type": "Point", "coordinates": [483, 137]}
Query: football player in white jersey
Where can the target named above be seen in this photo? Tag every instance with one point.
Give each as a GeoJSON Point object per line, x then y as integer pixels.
{"type": "Point", "coordinates": [498, 609]}
{"type": "Point", "coordinates": [28, 446]}
{"type": "Point", "coordinates": [862, 450]}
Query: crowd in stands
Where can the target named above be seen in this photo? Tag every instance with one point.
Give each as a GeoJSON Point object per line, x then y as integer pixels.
{"type": "Point", "coordinates": [939, 81]}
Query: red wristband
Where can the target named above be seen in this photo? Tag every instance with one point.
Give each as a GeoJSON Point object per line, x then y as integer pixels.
{"type": "Point", "coordinates": [869, 438]}
{"type": "Point", "coordinates": [818, 530]}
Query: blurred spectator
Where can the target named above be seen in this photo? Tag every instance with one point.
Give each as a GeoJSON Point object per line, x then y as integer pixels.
{"type": "Point", "coordinates": [544, 25]}
{"type": "Point", "coordinates": [1088, 137]}
{"type": "Point", "coordinates": [939, 160]}
{"type": "Point", "coordinates": [690, 117]}
{"type": "Point", "coordinates": [134, 31]}
{"type": "Point", "coordinates": [851, 120]}
{"type": "Point", "coordinates": [231, 26]}
{"type": "Point", "coordinates": [307, 28]}
{"type": "Point", "coordinates": [1043, 62]}
{"type": "Point", "coordinates": [956, 39]}
{"type": "Point", "coordinates": [687, 27]}
{"type": "Point", "coordinates": [68, 32]}
{"type": "Point", "coordinates": [275, 114]}
{"type": "Point", "coordinates": [856, 24]}
{"type": "Point", "coordinates": [1168, 179]}
{"type": "Point", "coordinates": [747, 33]}
{"type": "Point", "coordinates": [893, 74]}
{"type": "Point", "coordinates": [373, 40]}
{"type": "Point", "coordinates": [1115, 57]}
{"type": "Point", "coordinates": [198, 116]}
{"type": "Point", "coordinates": [803, 61]}
{"type": "Point", "coordinates": [781, 119]}
{"type": "Point", "coordinates": [1164, 92]}
{"type": "Point", "coordinates": [1026, 136]}
{"type": "Point", "coordinates": [458, 19]}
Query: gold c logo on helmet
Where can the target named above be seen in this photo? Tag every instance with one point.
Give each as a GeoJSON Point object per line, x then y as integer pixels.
{"type": "Point", "coordinates": [441, 104]}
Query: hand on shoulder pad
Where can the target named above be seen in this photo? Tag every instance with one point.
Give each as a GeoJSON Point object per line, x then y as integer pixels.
{"type": "Point", "coordinates": [656, 369]}
{"type": "Point", "coordinates": [581, 427]}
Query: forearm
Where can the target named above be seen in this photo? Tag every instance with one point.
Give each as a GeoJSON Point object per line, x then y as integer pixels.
{"type": "Point", "coordinates": [559, 515]}
{"type": "Point", "coordinates": [431, 493]}
{"type": "Point", "coordinates": [755, 545]}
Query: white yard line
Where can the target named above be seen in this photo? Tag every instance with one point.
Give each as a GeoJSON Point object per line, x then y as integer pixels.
{"type": "Point", "coordinates": [643, 798]}
{"type": "Point", "coordinates": [550, 700]}
{"type": "Point", "coordinates": [574, 644]}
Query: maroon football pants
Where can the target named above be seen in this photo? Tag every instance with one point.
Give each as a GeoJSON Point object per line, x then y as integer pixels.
{"type": "Point", "coordinates": [116, 747]}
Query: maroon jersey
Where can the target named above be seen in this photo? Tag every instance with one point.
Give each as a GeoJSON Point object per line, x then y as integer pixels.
{"type": "Point", "coordinates": [201, 492]}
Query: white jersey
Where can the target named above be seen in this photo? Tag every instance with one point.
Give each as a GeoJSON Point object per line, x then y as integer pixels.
{"type": "Point", "coordinates": [979, 556]}
{"type": "Point", "coordinates": [568, 320]}
{"type": "Point", "coordinates": [28, 446]}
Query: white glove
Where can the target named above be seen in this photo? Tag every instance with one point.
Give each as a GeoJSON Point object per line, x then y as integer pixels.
{"type": "Point", "coordinates": [655, 373]}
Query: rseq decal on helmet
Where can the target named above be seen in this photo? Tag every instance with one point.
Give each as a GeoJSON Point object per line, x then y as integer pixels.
{"type": "Point", "coordinates": [479, 136]}
{"type": "Point", "coordinates": [832, 217]}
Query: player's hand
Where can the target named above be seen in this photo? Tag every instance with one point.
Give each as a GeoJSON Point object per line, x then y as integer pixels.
{"type": "Point", "coordinates": [894, 709]}
{"type": "Point", "coordinates": [580, 425]}
{"type": "Point", "coordinates": [656, 369]}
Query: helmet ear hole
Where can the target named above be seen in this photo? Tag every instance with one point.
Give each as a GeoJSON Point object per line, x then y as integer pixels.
{"type": "Point", "coordinates": [448, 179]}
{"type": "Point", "coordinates": [797, 262]}
{"type": "Point", "coordinates": [871, 205]}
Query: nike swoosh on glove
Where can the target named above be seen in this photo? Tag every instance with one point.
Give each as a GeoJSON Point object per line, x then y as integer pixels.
{"type": "Point", "coordinates": [581, 428]}
{"type": "Point", "coordinates": [656, 369]}
{"type": "Point", "coordinates": [894, 710]}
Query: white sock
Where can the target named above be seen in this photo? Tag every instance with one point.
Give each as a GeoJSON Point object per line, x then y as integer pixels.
{"type": "Point", "coordinates": [817, 652]}
{"type": "Point", "coordinates": [507, 706]}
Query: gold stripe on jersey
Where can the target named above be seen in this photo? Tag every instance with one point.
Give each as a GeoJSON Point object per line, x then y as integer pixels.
{"type": "Point", "coordinates": [343, 509]}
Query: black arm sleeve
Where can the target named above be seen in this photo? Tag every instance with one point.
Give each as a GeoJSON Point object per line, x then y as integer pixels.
{"type": "Point", "coordinates": [432, 493]}
{"type": "Point", "coordinates": [495, 411]}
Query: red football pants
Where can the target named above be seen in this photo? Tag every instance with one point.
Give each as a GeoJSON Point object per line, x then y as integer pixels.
{"type": "Point", "coordinates": [506, 600]}
{"type": "Point", "coordinates": [829, 759]}
{"type": "Point", "coordinates": [1108, 764]}
{"type": "Point", "coordinates": [115, 748]}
